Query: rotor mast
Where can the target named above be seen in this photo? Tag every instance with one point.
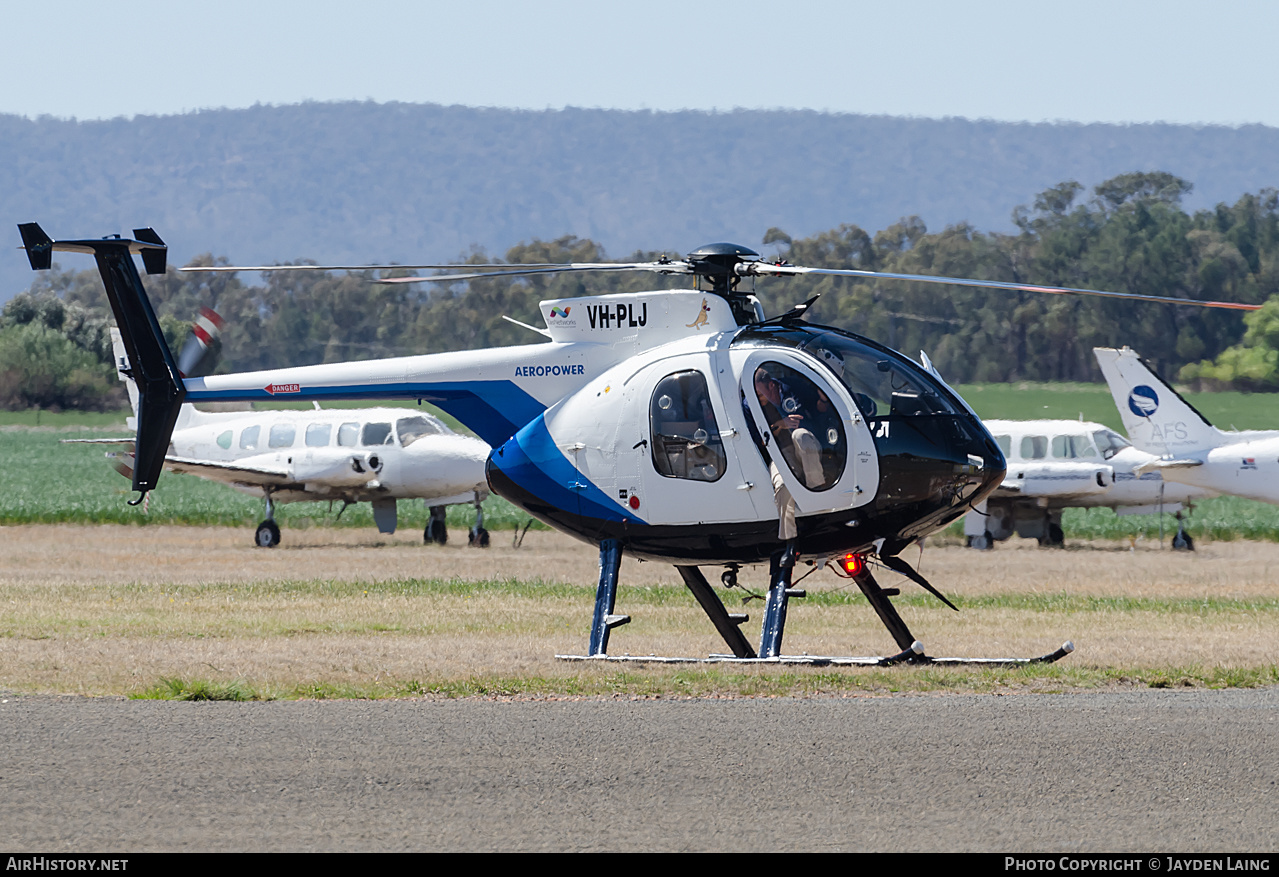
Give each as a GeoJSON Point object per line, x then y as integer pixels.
{"type": "Point", "coordinates": [721, 265]}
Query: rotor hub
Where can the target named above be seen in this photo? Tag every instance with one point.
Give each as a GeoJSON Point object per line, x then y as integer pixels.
{"type": "Point", "coordinates": [718, 263]}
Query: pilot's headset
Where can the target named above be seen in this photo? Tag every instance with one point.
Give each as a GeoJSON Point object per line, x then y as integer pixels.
{"type": "Point", "coordinates": [833, 361]}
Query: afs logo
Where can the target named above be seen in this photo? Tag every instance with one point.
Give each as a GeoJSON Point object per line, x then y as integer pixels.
{"type": "Point", "coordinates": [1143, 401]}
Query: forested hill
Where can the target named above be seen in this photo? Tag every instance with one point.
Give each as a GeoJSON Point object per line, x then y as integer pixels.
{"type": "Point", "coordinates": [358, 182]}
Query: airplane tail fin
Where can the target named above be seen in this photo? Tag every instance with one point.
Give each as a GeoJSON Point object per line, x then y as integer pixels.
{"type": "Point", "coordinates": [153, 370]}
{"type": "Point", "coordinates": [1158, 420]}
{"type": "Point", "coordinates": [125, 372]}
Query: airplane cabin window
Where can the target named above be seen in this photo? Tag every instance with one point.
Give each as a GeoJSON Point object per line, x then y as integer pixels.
{"type": "Point", "coordinates": [376, 434]}
{"type": "Point", "coordinates": [685, 436]}
{"type": "Point", "coordinates": [1005, 443]}
{"type": "Point", "coordinates": [317, 435]}
{"type": "Point", "coordinates": [1034, 447]}
{"type": "Point", "coordinates": [282, 435]}
{"type": "Point", "coordinates": [348, 435]}
{"type": "Point", "coordinates": [249, 437]}
{"type": "Point", "coordinates": [224, 440]}
{"type": "Point", "coordinates": [410, 429]}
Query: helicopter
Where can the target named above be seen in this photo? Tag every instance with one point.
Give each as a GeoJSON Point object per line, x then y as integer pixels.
{"type": "Point", "coordinates": [679, 426]}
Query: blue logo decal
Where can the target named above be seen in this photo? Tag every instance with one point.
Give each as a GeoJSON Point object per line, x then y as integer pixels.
{"type": "Point", "coordinates": [1143, 401]}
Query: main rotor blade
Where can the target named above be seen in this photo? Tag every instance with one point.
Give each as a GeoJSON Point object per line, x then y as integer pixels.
{"type": "Point", "coordinates": [660, 267]}
{"type": "Point", "coordinates": [212, 269]}
{"type": "Point", "coordinates": [764, 269]}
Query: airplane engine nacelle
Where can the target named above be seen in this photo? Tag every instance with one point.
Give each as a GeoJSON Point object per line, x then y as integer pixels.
{"type": "Point", "coordinates": [336, 467]}
{"type": "Point", "coordinates": [1061, 479]}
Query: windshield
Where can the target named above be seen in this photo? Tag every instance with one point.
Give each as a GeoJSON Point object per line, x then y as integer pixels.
{"type": "Point", "coordinates": [411, 429]}
{"type": "Point", "coordinates": [1110, 442]}
{"type": "Point", "coordinates": [881, 381]}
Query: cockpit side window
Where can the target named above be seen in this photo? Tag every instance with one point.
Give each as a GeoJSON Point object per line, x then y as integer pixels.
{"type": "Point", "coordinates": [685, 437]}
{"type": "Point", "coordinates": [803, 423]}
{"type": "Point", "coordinates": [1110, 442]}
{"type": "Point", "coordinates": [410, 429]}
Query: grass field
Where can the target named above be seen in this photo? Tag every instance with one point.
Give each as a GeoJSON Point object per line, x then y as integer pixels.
{"type": "Point", "coordinates": [192, 613]}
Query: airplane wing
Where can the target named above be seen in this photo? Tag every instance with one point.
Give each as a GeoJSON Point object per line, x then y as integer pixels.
{"type": "Point", "coordinates": [231, 473]}
{"type": "Point", "coordinates": [100, 441]}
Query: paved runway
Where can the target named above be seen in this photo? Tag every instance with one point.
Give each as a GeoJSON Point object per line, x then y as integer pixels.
{"type": "Point", "coordinates": [1164, 771]}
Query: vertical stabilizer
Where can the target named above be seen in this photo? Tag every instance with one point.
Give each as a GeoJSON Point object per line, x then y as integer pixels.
{"type": "Point", "coordinates": [1157, 419]}
{"type": "Point", "coordinates": [152, 368]}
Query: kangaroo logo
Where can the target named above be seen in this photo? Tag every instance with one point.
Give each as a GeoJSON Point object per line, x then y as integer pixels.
{"type": "Point", "coordinates": [1143, 401]}
{"type": "Point", "coordinates": [702, 317]}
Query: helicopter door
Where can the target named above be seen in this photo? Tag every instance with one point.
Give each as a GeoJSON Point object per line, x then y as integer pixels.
{"type": "Point", "coordinates": [822, 450]}
{"type": "Point", "coordinates": [692, 474]}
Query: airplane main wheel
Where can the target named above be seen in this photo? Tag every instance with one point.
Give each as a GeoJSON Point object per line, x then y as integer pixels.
{"type": "Point", "coordinates": [436, 531]}
{"type": "Point", "coordinates": [479, 539]}
{"type": "Point", "coordinates": [268, 535]}
{"type": "Point", "coordinates": [1183, 542]}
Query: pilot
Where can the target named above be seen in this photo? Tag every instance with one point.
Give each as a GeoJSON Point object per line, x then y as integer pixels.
{"type": "Point", "coordinates": [797, 444]}
{"type": "Point", "coordinates": [790, 422]}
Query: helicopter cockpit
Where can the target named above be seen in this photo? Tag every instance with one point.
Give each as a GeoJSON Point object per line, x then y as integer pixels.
{"type": "Point", "coordinates": [929, 445]}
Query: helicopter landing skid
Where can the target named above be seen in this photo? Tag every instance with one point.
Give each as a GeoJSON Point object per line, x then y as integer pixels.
{"type": "Point", "coordinates": [780, 591]}
{"type": "Point", "coordinates": [914, 655]}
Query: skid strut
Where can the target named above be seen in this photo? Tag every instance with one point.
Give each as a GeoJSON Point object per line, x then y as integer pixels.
{"type": "Point", "coordinates": [606, 597]}
{"type": "Point", "coordinates": [774, 625]}
{"type": "Point", "coordinates": [726, 624]}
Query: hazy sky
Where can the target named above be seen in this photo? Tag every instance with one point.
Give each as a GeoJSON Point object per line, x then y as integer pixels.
{"type": "Point", "coordinates": [1171, 60]}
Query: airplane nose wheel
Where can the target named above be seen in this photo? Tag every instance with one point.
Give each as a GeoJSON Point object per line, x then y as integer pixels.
{"type": "Point", "coordinates": [478, 537]}
{"type": "Point", "coordinates": [1182, 541]}
{"type": "Point", "coordinates": [268, 535]}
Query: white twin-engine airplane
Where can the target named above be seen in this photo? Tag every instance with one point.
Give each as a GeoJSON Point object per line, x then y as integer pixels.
{"type": "Point", "coordinates": [375, 455]}
{"type": "Point", "coordinates": [1059, 464]}
{"type": "Point", "coordinates": [1186, 448]}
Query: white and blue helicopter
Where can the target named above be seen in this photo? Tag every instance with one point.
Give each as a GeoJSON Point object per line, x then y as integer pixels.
{"type": "Point", "coordinates": [675, 426]}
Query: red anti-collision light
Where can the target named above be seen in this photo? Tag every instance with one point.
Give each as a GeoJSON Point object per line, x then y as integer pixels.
{"type": "Point", "coordinates": [853, 563]}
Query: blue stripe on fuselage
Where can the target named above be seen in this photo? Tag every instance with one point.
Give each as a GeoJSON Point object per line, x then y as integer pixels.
{"type": "Point", "coordinates": [532, 462]}
{"type": "Point", "coordinates": [494, 410]}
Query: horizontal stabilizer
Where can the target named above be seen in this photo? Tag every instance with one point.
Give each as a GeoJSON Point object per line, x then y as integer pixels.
{"type": "Point", "coordinates": [1158, 465]}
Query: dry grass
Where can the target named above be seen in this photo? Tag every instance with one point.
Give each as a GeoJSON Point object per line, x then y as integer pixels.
{"type": "Point", "coordinates": [101, 610]}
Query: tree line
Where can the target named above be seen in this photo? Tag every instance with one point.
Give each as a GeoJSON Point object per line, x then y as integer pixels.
{"type": "Point", "coordinates": [1130, 234]}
